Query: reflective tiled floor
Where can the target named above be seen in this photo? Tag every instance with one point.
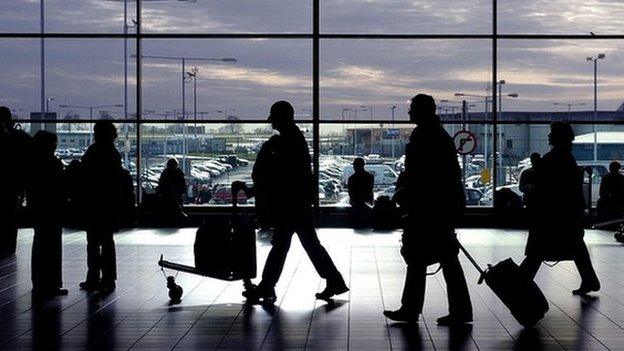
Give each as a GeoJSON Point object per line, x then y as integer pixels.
{"type": "Point", "coordinates": [213, 315]}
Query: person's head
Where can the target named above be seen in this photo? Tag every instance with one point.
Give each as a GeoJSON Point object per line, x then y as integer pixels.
{"type": "Point", "coordinates": [45, 143]}
{"type": "Point", "coordinates": [561, 135]}
{"type": "Point", "coordinates": [282, 115]}
{"type": "Point", "coordinates": [614, 167]}
{"type": "Point", "coordinates": [422, 109]}
{"type": "Point", "coordinates": [358, 164]}
{"type": "Point", "coordinates": [6, 117]}
{"type": "Point", "coordinates": [104, 131]}
{"type": "Point", "coordinates": [535, 158]}
{"type": "Point", "coordinates": [172, 163]}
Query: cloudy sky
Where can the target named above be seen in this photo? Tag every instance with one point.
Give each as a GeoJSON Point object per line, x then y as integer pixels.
{"type": "Point", "coordinates": [354, 73]}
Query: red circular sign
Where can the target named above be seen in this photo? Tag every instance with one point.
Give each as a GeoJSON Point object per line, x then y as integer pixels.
{"type": "Point", "coordinates": [465, 142]}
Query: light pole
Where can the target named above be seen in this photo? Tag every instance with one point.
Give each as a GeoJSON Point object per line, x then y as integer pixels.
{"type": "Point", "coordinates": [392, 108]}
{"type": "Point", "coordinates": [569, 105]}
{"type": "Point", "coordinates": [595, 62]}
{"type": "Point", "coordinates": [183, 60]}
{"type": "Point", "coordinates": [344, 134]}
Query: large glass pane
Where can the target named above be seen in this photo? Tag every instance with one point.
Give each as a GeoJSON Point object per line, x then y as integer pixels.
{"type": "Point", "coordinates": [20, 76]}
{"type": "Point", "coordinates": [374, 79]}
{"type": "Point", "coordinates": [85, 79]}
{"type": "Point", "coordinates": [560, 16]}
{"type": "Point", "coordinates": [192, 16]}
{"type": "Point", "coordinates": [19, 16]}
{"type": "Point", "coordinates": [383, 148]}
{"type": "Point", "coordinates": [89, 16]}
{"type": "Point", "coordinates": [225, 79]}
{"type": "Point", "coordinates": [517, 142]}
{"type": "Point", "coordinates": [554, 79]}
{"type": "Point", "coordinates": [212, 156]}
{"type": "Point", "coordinates": [404, 16]}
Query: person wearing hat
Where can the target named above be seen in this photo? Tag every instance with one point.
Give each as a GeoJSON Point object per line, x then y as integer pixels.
{"type": "Point", "coordinates": [557, 231]}
{"type": "Point", "coordinates": [284, 189]}
{"type": "Point", "coordinates": [431, 192]}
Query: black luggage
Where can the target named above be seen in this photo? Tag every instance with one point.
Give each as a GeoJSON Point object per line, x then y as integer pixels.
{"type": "Point", "coordinates": [515, 289]}
{"type": "Point", "coordinates": [385, 215]}
{"type": "Point", "coordinates": [225, 247]}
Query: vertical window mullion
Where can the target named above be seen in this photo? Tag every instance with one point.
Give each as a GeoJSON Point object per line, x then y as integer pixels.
{"type": "Point", "coordinates": [315, 97]}
{"type": "Point", "coordinates": [494, 105]}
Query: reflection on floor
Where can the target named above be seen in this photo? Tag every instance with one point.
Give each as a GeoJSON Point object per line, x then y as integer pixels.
{"type": "Point", "coordinates": [212, 314]}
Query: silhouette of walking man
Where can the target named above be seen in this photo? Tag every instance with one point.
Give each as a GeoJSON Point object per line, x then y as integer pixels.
{"type": "Point", "coordinates": [360, 185]}
{"type": "Point", "coordinates": [284, 186]}
{"type": "Point", "coordinates": [433, 212]}
{"type": "Point", "coordinates": [557, 232]}
{"type": "Point", "coordinates": [103, 181]}
{"type": "Point", "coordinates": [46, 199]}
{"type": "Point", "coordinates": [14, 144]}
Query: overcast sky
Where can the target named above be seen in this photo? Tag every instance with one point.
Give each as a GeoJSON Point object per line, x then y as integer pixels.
{"type": "Point", "coordinates": [353, 73]}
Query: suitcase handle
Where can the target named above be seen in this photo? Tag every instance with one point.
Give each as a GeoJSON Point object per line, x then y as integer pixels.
{"type": "Point", "coordinates": [472, 260]}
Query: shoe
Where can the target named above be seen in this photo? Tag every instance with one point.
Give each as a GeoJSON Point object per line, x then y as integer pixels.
{"type": "Point", "coordinates": [450, 320]}
{"type": "Point", "coordinates": [59, 292]}
{"type": "Point", "coordinates": [331, 290]}
{"type": "Point", "coordinates": [106, 288]}
{"type": "Point", "coordinates": [258, 292]}
{"type": "Point", "coordinates": [89, 286]}
{"type": "Point", "coordinates": [401, 315]}
{"type": "Point", "coordinates": [584, 289]}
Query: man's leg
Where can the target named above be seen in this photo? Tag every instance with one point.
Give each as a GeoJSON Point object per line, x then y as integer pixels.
{"type": "Point", "coordinates": [530, 265]}
{"type": "Point", "coordinates": [460, 306]}
{"type": "Point", "coordinates": [413, 297]}
{"type": "Point", "coordinates": [93, 259]}
{"type": "Point", "coordinates": [589, 279]}
{"type": "Point", "coordinates": [277, 256]}
{"type": "Point", "coordinates": [318, 255]}
{"type": "Point", "coordinates": [109, 259]}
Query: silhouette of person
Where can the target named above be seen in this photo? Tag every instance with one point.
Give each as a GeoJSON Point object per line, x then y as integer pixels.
{"type": "Point", "coordinates": [171, 182]}
{"type": "Point", "coordinates": [431, 192]}
{"type": "Point", "coordinates": [103, 182]}
{"type": "Point", "coordinates": [557, 230]}
{"type": "Point", "coordinates": [46, 197]}
{"type": "Point", "coordinates": [14, 145]}
{"type": "Point", "coordinates": [284, 186]}
{"type": "Point", "coordinates": [360, 185]}
{"type": "Point", "coordinates": [528, 179]}
{"type": "Point", "coordinates": [171, 190]}
{"type": "Point", "coordinates": [611, 201]}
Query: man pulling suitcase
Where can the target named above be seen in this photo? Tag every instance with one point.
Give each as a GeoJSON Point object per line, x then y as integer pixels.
{"type": "Point", "coordinates": [284, 191]}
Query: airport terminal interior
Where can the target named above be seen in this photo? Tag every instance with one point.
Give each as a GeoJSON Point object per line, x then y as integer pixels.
{"type": "Point", "coordinates": [496, 122]}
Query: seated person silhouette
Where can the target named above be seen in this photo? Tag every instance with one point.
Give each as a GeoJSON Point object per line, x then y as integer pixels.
{"type": "Point", "coordinates": [171, 191]}
{"type": "Point", "coordinates": [284, 189]}
{"type": "Point", "coordinates": [433, 213]}
{"type": "Point", "coordinates": [360, 185]}
{"type": "Point", "coordinates": [46, 199]}
{"type": "Point", "coordinates": [528, 179]}
{"type": "Point", "coordinates": [611, 202]}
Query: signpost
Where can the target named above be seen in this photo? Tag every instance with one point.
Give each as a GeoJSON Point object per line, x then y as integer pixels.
{"type": "Point", "coordinates": [465, 143]}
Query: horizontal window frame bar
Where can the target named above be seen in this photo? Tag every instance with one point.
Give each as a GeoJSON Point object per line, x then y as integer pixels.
{"type": "Point", "coordinates": [259, 121]}
{"type": "Point", "coordinates": [389, 36]}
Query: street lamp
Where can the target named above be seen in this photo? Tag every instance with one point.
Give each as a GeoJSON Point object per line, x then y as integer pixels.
{"type": "Point", "coordinates": [594, 60]}
{"type": "Point", "coordinates": [392, 108]}
{"type": "Point", "coordinates": [569, 105]}
{"type": "Point", "coordinates": [183, 60]}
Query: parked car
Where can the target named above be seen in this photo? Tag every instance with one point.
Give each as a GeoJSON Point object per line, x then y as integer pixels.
{"type": "Point", "coordinates": [384, 175]}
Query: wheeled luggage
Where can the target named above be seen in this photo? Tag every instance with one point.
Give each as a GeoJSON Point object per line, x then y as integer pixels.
{"type": "Point", "coordinates": [514, 288]}
{"type": "Point", "coordinates": [225, 248]}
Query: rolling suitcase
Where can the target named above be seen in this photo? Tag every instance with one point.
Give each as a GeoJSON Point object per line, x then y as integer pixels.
{"type": "Point", "coordinates": [225, 247]}
{"type": "Point", "coordinates": [514, 288]}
